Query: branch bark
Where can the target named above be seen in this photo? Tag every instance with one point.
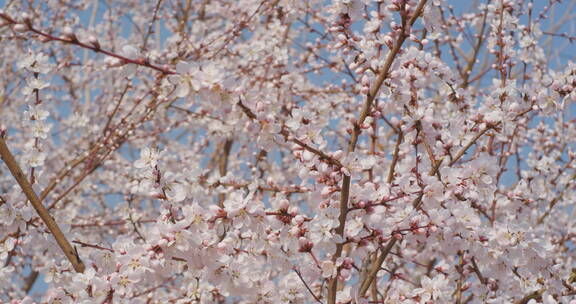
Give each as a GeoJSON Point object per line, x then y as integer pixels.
{"type": "Point", "coordinates": [374, 89]}
{"type": "Point", "coordinates": [16, 171]}
{"type": "Point", "coordinates": [416, 204]}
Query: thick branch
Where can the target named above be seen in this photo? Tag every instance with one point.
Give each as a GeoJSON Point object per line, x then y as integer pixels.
{"type": "Point", "coordinates": [374, 89]}
{"type": "Point", "coordinates": [16, 171]}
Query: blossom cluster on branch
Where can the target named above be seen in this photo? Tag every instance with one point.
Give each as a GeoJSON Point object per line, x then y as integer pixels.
{"type": "Point", "coordinates": [287, 151]}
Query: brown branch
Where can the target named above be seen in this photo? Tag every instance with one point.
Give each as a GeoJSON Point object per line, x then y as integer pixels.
{"type": "Point", "coordinates": [374, 89]}
{"type": "Point", "coordinates": [532, 296]}
{"type": "Point", "coordinates": [460, 268]}
{"type": "Point", "coordinates": [285, 189]}
{"type": "Point", "coordinates": [112, 223]}
{"type": "Point", "coordinates": [82, 244]}
{"type": "Point", "coordinates": [286, 135]}
{"type": "Point", "coordinates": [468, 145]}
{"type": "Point", "coordinates": [375, 267]}
{"type": "Point", "coordinates": [93, 46]}
{"type": "Point", "coordinates": [416, 204]}
{"type": "Point", "coordinates": [322, 155]}
{"type": "Point", "coordinates": [223, 166]}
{"type": "Point", "coordinates": [151, 24]}
{"type": "Point", "coordinates": [30, 280]}
{"type": "Point", "coordinates": [152, 288]}
{"type": "Point", "coordinates": [74, 185]}
{"type": "Point", "coordinates": [307, 287]}
{"type": "Point", "coordinates": [129, 200]}
{"type": "Point", "coordinates": [477, 271]}
{"type": "Point", "coordinates": [246, 110]}
{"type": "Point", "coordinates": [17, 173]}
{"type": "Point", "coordinates": [426, 145]}
{"type": "Point", "coordinates": [201, 115]}
{"type": "Point", "coordinates": [470, 65]}
{"type": "Point", "coordinates": [97, 49]}
{"type": "Point", "coordinates": [395, 157]}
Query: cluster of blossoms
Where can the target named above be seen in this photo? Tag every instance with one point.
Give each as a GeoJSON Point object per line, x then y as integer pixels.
{"type": "Point", "coordinates": [254, 151]}
{"type": "Point", "coordinates": [35, 117]}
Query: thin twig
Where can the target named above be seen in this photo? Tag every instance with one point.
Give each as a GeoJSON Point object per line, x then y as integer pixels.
{"type": "Point", "coordinates": [470, 65]}
{"type": "Point", "coordinates": [395, 157]}
{"type": "Point", "coordinates": [307, 287]}
{"type": "Point", "coordinates": [468, 145]}
{"type": "Point", "coordinates": [284, 132]}
{"type": "Point", "coordinates": [94, 46]}
{"type": "Point", "coordinates": [416, 204]}
{"type": "Point", "coordinates": [83, 244]}
{"type": "Point", "coordinates": [477, 271]}
{"type": "Point", "coordinates": [149, 31]}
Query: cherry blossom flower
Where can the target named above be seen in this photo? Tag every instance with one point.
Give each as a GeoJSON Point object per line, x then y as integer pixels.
{"type": "Point", "coordinates": [314, 152]}
{"type": "Point", "coordinates": [187, 81]}
{"type": "Point", "coordinates": [35, 62]}
{"type": "Point", "coordinates": [34, 84]}
{"type": "Point", "coordinates": [148, 158]}
{"type": "Point", "coordinates": [432, 288]}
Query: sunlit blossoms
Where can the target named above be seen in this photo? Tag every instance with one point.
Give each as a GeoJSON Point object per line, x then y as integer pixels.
{"type": "Point", "coordinates": [345, 151]}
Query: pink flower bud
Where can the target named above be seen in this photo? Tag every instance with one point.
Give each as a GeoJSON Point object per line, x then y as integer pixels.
{"type": "Point", "coordinates": [26, 19]}
{"type": "Point", "coordinates": [299, 219]}
{"type": "Point", "coordinates": [365, 80]}
{"type": "Point", "coordinates": [338, 154]}
{"type": "Point", "coordinates": [326, 191]}
{"type": "Point", "coordinates": [68, 33]}
{"type": "Point", "coordinates": [307, 156]}
{"type": "Point", "coordinates": [114, 62]}
{"type": "Point", "coordinates": [260, 106]}
{"type": "Point", "coordinates": [389, 41]}
{"type": "Point", "coordinates": [293, 210]}
{"type": "Point", "coordinates": [44, 39]}
{"type": "Point", "coordinates": [283, 204]}
{"type": "Point", "coordinates": [20, 28]}
{"type": "Point", "coordinates": [93, 41]}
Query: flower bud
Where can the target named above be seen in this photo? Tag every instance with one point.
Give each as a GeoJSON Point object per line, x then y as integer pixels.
{"type": "Point", "coordinates": [338, 154]}
{"type": "Point", "coordinates": [93, 41]}
{"type": "Point", "coordinates": [68, 33]}
{"type": "Point", "coordinates": [20, 28]}
{"type": "Point", "coordinates": [283, 204]}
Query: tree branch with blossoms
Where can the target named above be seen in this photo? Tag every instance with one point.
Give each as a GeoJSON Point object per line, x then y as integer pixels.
{"type": "Point", "coordinates": [356, 130]}
{"type": "Point", "coordinates": [345, 151]}
{"type": "Point", "coordinates": [69, 37]}
{"type": "Point", "coordinates": [70, 253]}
